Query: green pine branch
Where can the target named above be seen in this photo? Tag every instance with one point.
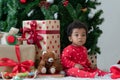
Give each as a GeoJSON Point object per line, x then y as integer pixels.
{"type": "Point", "coordinates": [49, 13]}
{"type": "Point", "coordinates": [71, 11]}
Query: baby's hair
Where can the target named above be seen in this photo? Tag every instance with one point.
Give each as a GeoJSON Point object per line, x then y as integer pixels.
{"type": "Point", "coordinates": [75, 24]}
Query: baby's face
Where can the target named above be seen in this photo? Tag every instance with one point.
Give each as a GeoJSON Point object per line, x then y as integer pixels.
{"type": "Point", "coordinates": [78, 37]}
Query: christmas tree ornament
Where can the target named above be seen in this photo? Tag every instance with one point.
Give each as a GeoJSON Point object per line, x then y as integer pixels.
{"type": "Point", "coordinates": [50, 1]}
{"type": "Point", "coordinates": [23, 1]}
{"type": "Point", "coordinates": [65, 3]}
{"type": "Point", "coordinates": [44, 4]}
{"type": "Point", "coordinates": [30, 13]}
{"type": "Point", "coordinates": [11, 39]}
{"type": "Point", "coordinates": [84, 9]}
{"type": "Point", "coordinates": [56, 15]}
{"type": "Point", "coordinates": [90, 15]}
{"type": "Point", "coordinates": [86, 1]}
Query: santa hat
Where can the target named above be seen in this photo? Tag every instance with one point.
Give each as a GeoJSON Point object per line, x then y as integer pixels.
{"type": "Point", "coordinates": [115, 70]}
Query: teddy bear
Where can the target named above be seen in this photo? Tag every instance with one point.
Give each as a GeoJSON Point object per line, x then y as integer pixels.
{"type": "Point", "coordinates": [49, 64]}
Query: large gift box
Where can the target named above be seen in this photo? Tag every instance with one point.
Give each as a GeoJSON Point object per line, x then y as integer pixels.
{"type": "Point", "coordinates": [17, 58]}
{"type": "Point", "coordinates": [44, 33]}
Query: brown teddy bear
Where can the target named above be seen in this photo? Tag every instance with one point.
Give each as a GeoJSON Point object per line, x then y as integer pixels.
{"type": "Point", "coordinates": [49, 64]}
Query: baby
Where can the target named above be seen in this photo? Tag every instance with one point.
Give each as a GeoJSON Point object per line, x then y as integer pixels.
{"type": "Point", "coordinates": [74, 57]}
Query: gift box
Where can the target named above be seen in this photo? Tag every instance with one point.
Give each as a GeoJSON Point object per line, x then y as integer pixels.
{"type": "Point", "coordinates": [10, 38]}
{"type": "Point", "coordinates": [43, 33]}
{"type": "Point", "coordinates": [20, 57]}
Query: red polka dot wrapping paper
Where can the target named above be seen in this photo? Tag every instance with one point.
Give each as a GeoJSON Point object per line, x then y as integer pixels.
{"type": "Point", "coordinates": [50, 35]}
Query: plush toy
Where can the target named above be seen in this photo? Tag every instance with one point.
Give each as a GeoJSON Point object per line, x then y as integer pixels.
{"type": "Point", "coordinates": [49, 64]}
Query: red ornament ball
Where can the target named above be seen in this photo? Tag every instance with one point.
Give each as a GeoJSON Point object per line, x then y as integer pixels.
{"type": "Point", "coordinates": [23, 1]}
{"type": "Point", "coordinates": [11, 39]}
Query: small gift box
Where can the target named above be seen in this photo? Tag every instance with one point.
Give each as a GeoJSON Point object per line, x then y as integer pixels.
{"type": "Point", "coordinates": [10, 38]}
{"type": "Point", "coordinates": [17, 58]}
{"type": "Point", "coordinates": [45, 34]}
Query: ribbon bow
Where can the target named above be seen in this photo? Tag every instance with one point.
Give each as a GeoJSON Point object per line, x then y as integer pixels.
{"type": "Point", "coordinates": [34, 37]}
{"type": "Point", "coordinates": [17, 66]}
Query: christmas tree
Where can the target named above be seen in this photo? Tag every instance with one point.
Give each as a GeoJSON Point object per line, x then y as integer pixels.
{"type": "Point", "coordinates": [13, 12]}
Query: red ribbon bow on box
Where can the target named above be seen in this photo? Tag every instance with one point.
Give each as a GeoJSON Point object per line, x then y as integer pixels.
{"type": "Point", "coordinates": [34, 38]}
{"type": "Point", "coordinates": [17, 66]}
{"type": "Point", "coordinates": [34, 35]}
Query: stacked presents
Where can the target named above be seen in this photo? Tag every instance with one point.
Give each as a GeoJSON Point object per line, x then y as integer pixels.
{"type": "Point", "coordinates": [27, 55]}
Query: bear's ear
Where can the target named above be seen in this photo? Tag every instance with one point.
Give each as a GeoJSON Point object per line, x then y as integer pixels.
{"type": "Point", "coordinates": [44, 52]}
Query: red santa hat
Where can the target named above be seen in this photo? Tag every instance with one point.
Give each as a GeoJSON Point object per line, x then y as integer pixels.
{"type": "Point", "coordinates": [115, 71]}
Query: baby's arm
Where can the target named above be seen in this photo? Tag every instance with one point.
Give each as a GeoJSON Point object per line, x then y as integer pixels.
{"type": "Point", "coordinates": [66, 60]}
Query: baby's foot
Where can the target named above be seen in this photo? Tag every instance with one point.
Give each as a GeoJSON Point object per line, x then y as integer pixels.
{"type": "Point", "coordinates": [102, 73]}
{"type": "Point", "coordinates": [90, 75]}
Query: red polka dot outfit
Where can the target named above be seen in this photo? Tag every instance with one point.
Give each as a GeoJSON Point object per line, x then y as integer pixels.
{"type": "Point", "coordinates": [72, 55]}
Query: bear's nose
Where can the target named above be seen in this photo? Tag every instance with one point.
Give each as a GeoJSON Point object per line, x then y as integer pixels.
{"type": "Point", "coordinates": [50, 60]}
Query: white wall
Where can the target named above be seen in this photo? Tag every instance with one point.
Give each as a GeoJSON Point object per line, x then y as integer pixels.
{"type": "Point", "coordinates": [109, 42]}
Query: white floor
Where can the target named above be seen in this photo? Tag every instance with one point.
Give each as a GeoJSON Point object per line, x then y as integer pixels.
{"type": "Point", "coordinates": [107, 77]}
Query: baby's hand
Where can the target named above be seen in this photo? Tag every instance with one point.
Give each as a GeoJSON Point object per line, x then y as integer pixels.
{"type": "Point", "coordinates": [78, 66]}
{"type": "Point", "coordinates": [93, 66]}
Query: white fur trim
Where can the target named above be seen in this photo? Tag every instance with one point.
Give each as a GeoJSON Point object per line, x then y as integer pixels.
{"type": "Point", "coordinates": [116, 65]}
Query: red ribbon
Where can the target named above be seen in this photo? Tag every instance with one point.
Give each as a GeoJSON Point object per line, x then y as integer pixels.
{"type": "Point", "coordinates": [17, 66]}
{"type": "Point", "coordinates": [35, 36]}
